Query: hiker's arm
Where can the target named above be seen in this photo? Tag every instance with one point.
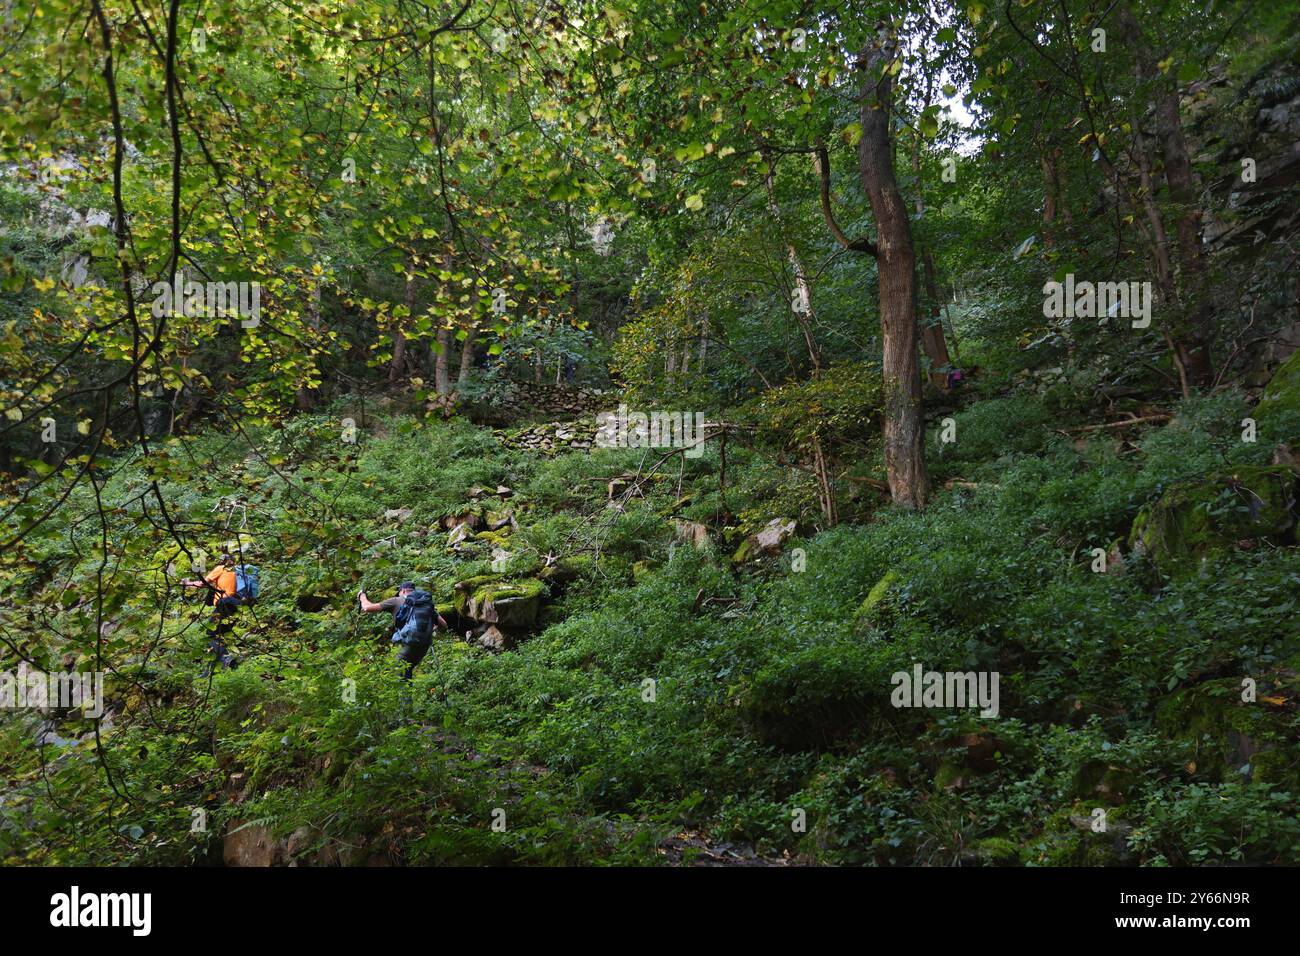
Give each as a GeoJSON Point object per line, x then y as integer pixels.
{"type": "Point", "coordinates": [442, 622]}
{"type": "Point", "coordinates": [370, 607]}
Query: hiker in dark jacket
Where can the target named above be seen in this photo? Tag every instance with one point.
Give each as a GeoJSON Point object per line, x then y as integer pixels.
{"type": "Point", "coordinates": [413, 621]}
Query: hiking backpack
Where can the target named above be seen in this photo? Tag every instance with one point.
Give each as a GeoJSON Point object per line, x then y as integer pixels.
{"type": "Point", "coordinates": [246, 585]}
{"type": "Point", "coordinates": [414, 619]}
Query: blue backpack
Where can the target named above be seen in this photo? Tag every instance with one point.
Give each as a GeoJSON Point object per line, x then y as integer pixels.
{"type": "Point", "coordinates": [414, 619]}
{"type": "Point", "coordinates": [246, 585]}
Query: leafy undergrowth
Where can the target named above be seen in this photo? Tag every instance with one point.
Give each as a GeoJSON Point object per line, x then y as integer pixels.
{"type": "Point", "coordinates": [667, 706]}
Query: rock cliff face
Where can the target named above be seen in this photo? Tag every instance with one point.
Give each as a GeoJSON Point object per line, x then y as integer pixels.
{"type": "Point", "coordinates": [1248, 154]}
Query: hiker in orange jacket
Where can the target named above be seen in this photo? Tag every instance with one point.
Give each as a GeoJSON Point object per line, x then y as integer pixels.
{"type": "Point", "coordinates": [222, 583]}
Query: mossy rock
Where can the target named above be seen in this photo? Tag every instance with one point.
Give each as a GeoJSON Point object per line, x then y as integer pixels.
{"type": "Point", "coordinates": [768, 540]}
{"type": "Point", "coordinates": [1196, 519]}
{"type": "Point", "coordinates": [1232, 739]}
{"type": "Point", "coordinates": [870, 611]}
{"type": "Point", "coordinates": [993, 851]}
{"type": "Point", "coordinates": [499, 538]}
{"type": "Point", "coordinates": [569, 568]}
{"type": "Point", "coordinates": [465, 589]}
{"type": "Point", "coordinates": [1067, 839]}
{"type": "Point", "coordinates": [1098, 780]}
{"type": "Point", "coordinates": [747, 551]}
{"type": "Point", "coordinates": [490, 600]}
{"type": "Point", "coordinates": [1278, 411]}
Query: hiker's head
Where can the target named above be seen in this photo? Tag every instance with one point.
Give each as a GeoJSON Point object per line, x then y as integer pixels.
{"type": "Point", "coordinates": [226, 560]}
{"type": "Point", "coordinates": [405, 588]}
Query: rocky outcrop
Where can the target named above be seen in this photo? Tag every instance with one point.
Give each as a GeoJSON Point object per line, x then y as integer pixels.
{"type": "Point", "coordinates": [766, 542]}
{"type": "Point", "coordinates": [250, 844]}
{"type": "Point", "coordinates": [1236, 738]}
{"type": "Point", "coordinates": [488, 599]}
{"type": "Point", "coordinates": [254, 845]}
{"type": "Point", "coordinates": [565, 570]}
{"type": "Point", "coordinates": [1228, 509]}
{"type": "Point", "coordinates": [692, 532]}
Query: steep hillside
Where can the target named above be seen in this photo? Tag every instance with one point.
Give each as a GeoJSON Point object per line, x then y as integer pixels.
{"type": "Point", "coordinates": [615, 686]}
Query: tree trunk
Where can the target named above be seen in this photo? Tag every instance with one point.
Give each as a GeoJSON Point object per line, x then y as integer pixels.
{"type": "Point", "coordinates": [466, 357]}
{"type": "Point", "coordinates": [398, 366]}
{"type": "Point", "coordinates": [803, 294]}
{"type": "Point", "coordinates": [1191, 334]}
{"type": "Point", "coordinates": [896, 260]}
{"type": "Point", "coordinates": [305, 399]}
{"type": "Point", "coordinates": [441, 377]}
{"type": "Point", "coordinates": [441, 374]}
{"type": "Point", "coordinates": [1158, 239]}
{"type": "Point", "coordinates": [932, 341]}
{"type": "Point", "coordinates": [1049, 198]}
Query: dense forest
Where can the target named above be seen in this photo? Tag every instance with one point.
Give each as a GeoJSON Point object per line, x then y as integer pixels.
{"type": "Point", "coordinates": [649, 432]}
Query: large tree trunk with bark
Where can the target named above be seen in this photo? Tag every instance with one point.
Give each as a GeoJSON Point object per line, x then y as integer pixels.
{"type": "Point", "coordinates": [896, 259]}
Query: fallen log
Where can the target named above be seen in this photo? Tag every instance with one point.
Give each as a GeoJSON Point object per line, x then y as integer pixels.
{"type": "Point", "coordinates": [1161, 417]}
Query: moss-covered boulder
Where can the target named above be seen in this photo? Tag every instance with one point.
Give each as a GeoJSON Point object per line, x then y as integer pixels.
{"type": "Point", "coordinates": [968, 756]}
{"type": "Point", "coordinates": [1278, 411]}
{"type": "Point", "coordinates": [499, 539]}
{"type": "Point", "coordinates": [1231, 738]}
{"type": "Point", "coordinates": [459, 535]}
{"type": "Point", "coordinates": [568, 568]}
{"type": "Point", "coordinates": [1223, 510]}
{"type": "Point", "coordinates": [768, 541]}
{"type": "Point", "coordinates": [508, 604]}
